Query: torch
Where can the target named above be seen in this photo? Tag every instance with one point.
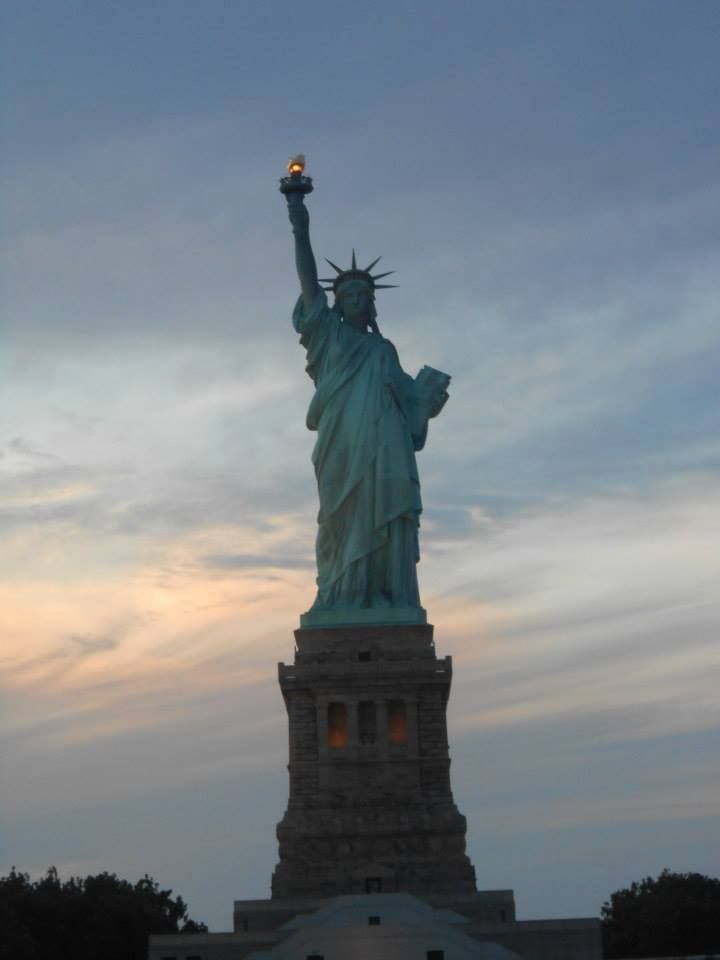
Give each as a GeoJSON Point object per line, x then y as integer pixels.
{"type": "Point", "coordinates": [295, 182]}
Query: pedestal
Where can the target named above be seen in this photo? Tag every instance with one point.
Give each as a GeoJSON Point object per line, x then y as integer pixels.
{"type": "Point", "coordinates": [370, 807]}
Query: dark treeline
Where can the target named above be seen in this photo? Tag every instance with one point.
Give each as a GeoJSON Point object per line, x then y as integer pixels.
{"type": "Point", "coordinates": [85, 919]}
{"type": "Point", "coordinates": [676, 915]}
{"type": "Point", "coordinates": [104, 918]}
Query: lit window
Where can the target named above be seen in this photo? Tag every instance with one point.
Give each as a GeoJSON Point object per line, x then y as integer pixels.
{"type": "Point", "coordinates": [337, 725]}
{"type": "Point", "coordinates": [397, 721]}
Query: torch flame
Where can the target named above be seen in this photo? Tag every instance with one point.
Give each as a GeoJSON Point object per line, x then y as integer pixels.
{"type": "Point", "coordinates": [296, 164]}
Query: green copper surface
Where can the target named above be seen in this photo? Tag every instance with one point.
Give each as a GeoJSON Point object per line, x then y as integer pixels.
{"type": "Point", "coordinates": [371, 418]}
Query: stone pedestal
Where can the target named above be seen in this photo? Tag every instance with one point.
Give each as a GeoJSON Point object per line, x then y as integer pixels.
{"type": "Point", "coordinates": [370, 807]}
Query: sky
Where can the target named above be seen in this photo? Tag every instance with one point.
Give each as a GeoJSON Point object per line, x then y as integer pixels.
{"type": "Point", "coordinates": [543, 175]}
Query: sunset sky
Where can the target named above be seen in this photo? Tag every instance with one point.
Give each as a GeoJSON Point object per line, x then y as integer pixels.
{"type": "Point", "coordinates": [544, 177]}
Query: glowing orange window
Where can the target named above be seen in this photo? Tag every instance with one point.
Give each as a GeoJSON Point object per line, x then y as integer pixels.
{"type": "Point", "coordinates": [397, 721]}
{"type": "Point", "coordinates": [337, 725]}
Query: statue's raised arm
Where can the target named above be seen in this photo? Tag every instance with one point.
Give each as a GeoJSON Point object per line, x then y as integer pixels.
{"type": "Point", "coordinates": [295, 186]}
{"type": "Point", "coordinates": [304, 257]}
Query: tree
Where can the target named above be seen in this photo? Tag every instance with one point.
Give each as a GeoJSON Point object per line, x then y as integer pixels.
{"type": "Point", "coordinates": [85, 919]}
{"type": "Point", "coordinates": [676, 915]}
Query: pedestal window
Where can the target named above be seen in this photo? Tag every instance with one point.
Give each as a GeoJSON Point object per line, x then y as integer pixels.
{"type": "Point", "coordinates": [397, 721]}
{"type": "Point", "coordinates": [337, 725]}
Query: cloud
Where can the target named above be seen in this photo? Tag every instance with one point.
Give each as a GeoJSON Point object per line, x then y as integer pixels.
{"type": "Point", "coordinates": [243, 561]}
{"type": "Point", "coordinates": [20, 446]}
{"type": "Point", "coordinates": [591, 608]}
{"type": "Point", "coordinates": [87, 646]}
{"type": "Point", "coordinates": [591, 622]}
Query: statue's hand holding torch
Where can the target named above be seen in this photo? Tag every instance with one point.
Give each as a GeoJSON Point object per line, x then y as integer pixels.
{"type": "Point", "coordinates": [295, 185]}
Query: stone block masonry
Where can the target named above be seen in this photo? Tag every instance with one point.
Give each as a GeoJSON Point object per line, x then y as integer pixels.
{"type": "Point", "coordinates": [370, 807]}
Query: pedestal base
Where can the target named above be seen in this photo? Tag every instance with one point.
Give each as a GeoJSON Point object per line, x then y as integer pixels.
{"type": "Point", "coordinates": [370, 808]}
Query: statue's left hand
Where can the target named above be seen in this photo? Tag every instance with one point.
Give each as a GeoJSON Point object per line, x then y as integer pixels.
{"type": "Point", "coordinates": [437, 402]}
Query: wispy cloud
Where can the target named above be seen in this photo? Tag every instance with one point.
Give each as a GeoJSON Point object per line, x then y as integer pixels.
{"type": "Point", "coordinates": [244, 561]}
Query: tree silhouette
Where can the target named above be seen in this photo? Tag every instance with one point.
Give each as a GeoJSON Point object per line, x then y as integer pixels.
{"type": "Point", "coordinates": [677, 914]}
{"type": "Point", "coordinates": [97, 917]}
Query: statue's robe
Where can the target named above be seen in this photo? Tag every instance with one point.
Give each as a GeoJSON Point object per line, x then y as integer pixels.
{"type": "Point", "coordinates": [370, 421]}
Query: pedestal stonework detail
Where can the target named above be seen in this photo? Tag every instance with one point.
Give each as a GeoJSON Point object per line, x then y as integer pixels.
{"type": "Point", "coordinates": [370, 807]}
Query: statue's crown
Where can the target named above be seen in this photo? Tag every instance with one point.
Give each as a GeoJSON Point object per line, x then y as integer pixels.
{"type": "Point", "coordinates": [355, 273]}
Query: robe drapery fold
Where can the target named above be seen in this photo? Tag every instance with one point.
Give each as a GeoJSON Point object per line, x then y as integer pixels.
{"type": "Point", "coordinates": [368, 418]}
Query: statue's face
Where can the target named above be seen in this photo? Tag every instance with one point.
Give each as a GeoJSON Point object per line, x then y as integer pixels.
{"type": "Point", "coordinates": [356, 304]}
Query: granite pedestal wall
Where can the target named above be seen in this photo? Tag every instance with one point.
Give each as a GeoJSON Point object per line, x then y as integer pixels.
{"type": "Point", "coordinates": [370, 807]}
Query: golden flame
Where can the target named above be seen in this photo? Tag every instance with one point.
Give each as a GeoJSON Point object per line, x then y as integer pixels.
{"type": "Point", "coordinates": [296, 164]}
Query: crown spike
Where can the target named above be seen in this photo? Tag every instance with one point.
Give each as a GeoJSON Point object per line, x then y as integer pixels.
{"type": "Point", "coordinates": [355, 273]}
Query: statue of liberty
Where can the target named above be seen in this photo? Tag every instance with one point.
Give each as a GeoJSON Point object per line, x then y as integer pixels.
{"type": "Point", "coordinates": [371, 418]}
